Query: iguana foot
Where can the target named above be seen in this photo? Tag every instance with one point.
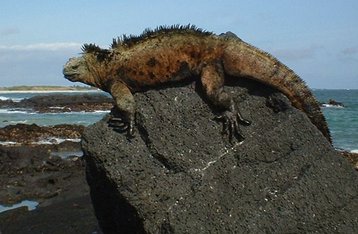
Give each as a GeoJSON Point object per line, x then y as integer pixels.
{"type": "Point", "coordinates": [121, 125]}
{"type": "Point", "coordinates": [231, 121]}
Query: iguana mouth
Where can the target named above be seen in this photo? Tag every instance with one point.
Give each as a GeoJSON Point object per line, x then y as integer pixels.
{"type": "Point", "coordinates": [70, 70]}
{"type": "Point", "coordinates": [72, 76]}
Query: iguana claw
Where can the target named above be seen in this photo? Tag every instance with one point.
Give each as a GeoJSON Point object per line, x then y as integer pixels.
{"type": "Point", "coordinates": [231, 122]}
{"type": "Point", "coordinates": [121, 125]}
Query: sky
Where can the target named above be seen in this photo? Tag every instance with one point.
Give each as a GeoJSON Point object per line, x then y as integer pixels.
{"type": "Point", "coordinates": [318, 39]}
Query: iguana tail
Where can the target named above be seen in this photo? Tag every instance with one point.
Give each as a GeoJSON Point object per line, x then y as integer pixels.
{"type": "Point", "coordinates": [243, 60]}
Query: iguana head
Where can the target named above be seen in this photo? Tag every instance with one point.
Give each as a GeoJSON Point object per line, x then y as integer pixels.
{"type": "Point", "coordinates": [90, 68]}
{"type": "Point", "coordinates": [76, 70]}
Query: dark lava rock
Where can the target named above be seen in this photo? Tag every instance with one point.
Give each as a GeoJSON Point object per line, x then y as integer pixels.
{"type": "Point", "coordinates": [55, 103]}
{"type": "Point", "coordinates": [50, 174]}
{"type": "Point", "coordinates": [229, 34]}
{"type": "Point", "coordinates": [74, 216]}
{"type": "Point", "coordinates": [332, 103]}
{"type": "Point", "coordinates": [63, 99]}
{"type": "Point", "coordinates": [66, 103]}
{"type": "Point", "coordinates": [30, 133]}
{"type": "Point", "coordinates": [181, 175]}
{"type": "Point", "coordinates": [32, 173]}
{"type": "Point", "coordinates": [29, 170]}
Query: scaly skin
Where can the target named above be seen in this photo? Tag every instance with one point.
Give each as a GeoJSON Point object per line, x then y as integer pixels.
{"type": "Point", "coordinates": [181, 52]}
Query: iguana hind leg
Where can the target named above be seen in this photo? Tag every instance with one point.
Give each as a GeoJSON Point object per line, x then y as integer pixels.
{"type": "Point", "coordinates": [124, 108]}
{"type": "Point", "coordinates": [212, 78]}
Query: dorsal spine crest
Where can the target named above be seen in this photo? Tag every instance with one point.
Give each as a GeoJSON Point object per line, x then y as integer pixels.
{"type": "Point", "coordinates": [130, 40]}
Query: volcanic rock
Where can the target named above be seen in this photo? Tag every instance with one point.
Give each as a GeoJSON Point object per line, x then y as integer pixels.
{"type": "Point", "coordinates": [32, 133]}
{"type": "Point", "coordinates": [56, 103]}
{"type": "Point", "coordinates": [181, 175]}
{"type": "Point", "coordinates": [44, 166]}
{"type": "Point", "coordinates": [74, 215]}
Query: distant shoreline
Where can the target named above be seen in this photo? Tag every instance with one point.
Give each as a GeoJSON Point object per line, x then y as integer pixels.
{"type": "Point", "coordinates": [49, 91]}
{"type": "Point", "coordinates": [46, 89]}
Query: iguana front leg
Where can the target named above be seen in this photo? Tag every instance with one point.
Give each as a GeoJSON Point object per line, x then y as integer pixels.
{"type": "Point", "coordinates": [212, 78]}
{"type": "Point", "coordinates": [125, 105]}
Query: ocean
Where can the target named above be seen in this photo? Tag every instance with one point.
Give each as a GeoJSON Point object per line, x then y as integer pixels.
{"type": "Point", "coordinates": [27, 116]}
{"type": "Point", "coordinates": [342, 121]}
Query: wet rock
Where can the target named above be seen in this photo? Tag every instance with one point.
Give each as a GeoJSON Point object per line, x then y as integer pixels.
{"type": "Point", "coordinates": [37, 172]}
{"type": "Point", "coordinates": [56, 103]}
{"type": "Point", "coordinates": [30, 134]}
{"type": "Point", "coordinates": [32, 166]}
{"type": "Point", "coordinates": [335, 103]}
{"type": "Point", "coordinates": [33, 173]}
{"type": "Point", "coordinates": [74, 215]}
{"type": "Point", "coordinates": [332, 103]}
{"type": "Point", "coordinates": [181, 175]}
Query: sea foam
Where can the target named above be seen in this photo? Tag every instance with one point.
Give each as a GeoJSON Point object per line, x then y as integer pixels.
{"type": "Point", "coordinates": [15, 111]}
{"type": "Point", "coordinates": [2, 98]}
{"type": "Point", "coordinates": [67, 154]}
{"type": "Point", "coordinates": [331, 106]}
{"type": "Point", "coordinates": [46, 141]}
{"type": "Point", "coordinates": [31, 205]}
{"type": "Point", "coordinates": [55, 141]}
{"type": "Point", "coordinates": [8, 143]}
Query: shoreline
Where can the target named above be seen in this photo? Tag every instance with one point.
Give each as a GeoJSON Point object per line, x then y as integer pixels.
{"type": "Point", "coordinates": [49, 91]}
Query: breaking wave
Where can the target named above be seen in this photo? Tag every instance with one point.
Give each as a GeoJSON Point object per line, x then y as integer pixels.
{"type": "Point", "coordinates": [55, 141]}
{"type": "Point", "coordinates": [3, 98]}
{"type": "Point", "coordinates": [4, 143]}
{"type": "Point", "coordinates": [45, 141]}
{"type": "Point", "coordinates": [331, 106]}
{"type": "Point", "coordinates": [13, 111]}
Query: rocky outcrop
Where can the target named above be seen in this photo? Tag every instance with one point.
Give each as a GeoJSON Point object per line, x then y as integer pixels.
{"type": "Point", "coordinates": [332, 103]}
{"type": "Point", "coordinates": [40, 163]}
{"type": "Point", "coordinates": [33, 173]}
{"type": "Point", "coordinates": [56, 103]}
{"type": "Point", "coordinates": [44, 165]}
{"type": "Point", "coordinates": [73, 215]}
{"type": "Point", "coordinates": [29, 134]}
{"type": "Point", "coordinates": [180, 175]}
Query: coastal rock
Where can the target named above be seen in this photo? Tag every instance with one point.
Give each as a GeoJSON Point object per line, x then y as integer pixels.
{"type": "Point", "coordinates": [31, 166]}
{"type": "Point", "coordinates": [34, 173]}
{"type": "Point", "coordinates": [181, 175]}
{"type": "Point", "coordinates": [58, 185]}
{"type": "Point", "coordinates": [43, 168]}
{"type": "Point", "coordinates": [332, 103]}
{"type": "Point", "coordinates": [56, 103]}
{"type": "Point", "coordinates": [74, 215]}
{"type": "Point", "coordinates": [229, 34]}
{"type": "Point", "coordinates": [33, 134]}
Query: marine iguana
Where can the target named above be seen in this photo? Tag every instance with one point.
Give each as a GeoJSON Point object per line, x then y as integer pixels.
{"type": "Point", "coordinates": [175, 53]}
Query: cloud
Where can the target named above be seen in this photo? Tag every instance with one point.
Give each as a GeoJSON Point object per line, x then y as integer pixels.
{"type": "Point", "coordinates": [42, 47]}
{"type": "Point", "coordinates": [35, 63]}
{"type": "Point", "coordinates": [9, 31]}
{"type": "Point", "coordinates": [297, 54]}
{"type": "Point", "coordinates": [350, 51]}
